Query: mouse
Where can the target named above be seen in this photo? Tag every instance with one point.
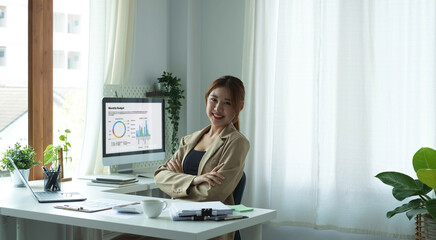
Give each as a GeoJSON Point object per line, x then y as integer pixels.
{"type": "Point", "coordinates": [129, 209]}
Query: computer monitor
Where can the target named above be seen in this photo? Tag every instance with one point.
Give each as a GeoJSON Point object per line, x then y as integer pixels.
{"type": "Point", "coordinates": [133, 131]}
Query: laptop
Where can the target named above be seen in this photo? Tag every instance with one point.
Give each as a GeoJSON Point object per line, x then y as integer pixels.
{"type": "Point", "coordinates": [49, 197]}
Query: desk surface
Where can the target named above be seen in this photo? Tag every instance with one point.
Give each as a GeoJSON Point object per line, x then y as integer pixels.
{"type": "Point", "coordinates": [19, 203]}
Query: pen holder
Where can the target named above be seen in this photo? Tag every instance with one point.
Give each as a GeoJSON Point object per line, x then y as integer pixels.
{"type": "Point", "coordinates": [52, 179]}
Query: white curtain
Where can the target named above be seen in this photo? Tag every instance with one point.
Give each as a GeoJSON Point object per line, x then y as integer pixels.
{"type": "Point", "coordinates": [111, 34]}
{"type": "Point", "coordinates": [121, 34]}
{"type": "Point", "coordinates": [337, 91]}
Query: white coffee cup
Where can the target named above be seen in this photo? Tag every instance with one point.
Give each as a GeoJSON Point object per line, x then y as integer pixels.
{"type": "Point", "coordinates": [153, 208]}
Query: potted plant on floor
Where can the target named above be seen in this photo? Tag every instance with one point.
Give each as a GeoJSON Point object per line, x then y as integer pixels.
{"type": "Point", "coordinates": [404, 186]}
{"type": "Point", "coordinates": [24, 159]}
{"type": "Point", "coordinates": [54, 155]}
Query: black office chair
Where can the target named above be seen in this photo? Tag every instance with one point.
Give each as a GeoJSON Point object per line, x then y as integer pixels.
{"type": "Point", "coordinates": [237, 196]}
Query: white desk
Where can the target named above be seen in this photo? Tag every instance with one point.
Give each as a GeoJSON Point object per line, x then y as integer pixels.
{"type": "Point", "coordinates": [17, 206]}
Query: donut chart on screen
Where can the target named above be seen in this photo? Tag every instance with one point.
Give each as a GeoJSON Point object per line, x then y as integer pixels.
{"type": "Point", "coordinates": [119, 129]}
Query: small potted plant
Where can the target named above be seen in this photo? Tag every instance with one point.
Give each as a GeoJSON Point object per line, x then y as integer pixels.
{"type": "Point", "coordinates": [24, 159]}
{"type": "Point", "coordinates": [54, 155]}
{"type": "Point", "coordinates": [404, 186]}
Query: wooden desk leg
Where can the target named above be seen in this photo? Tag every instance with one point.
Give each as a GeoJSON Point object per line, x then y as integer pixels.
{"type": "Point", "coordinates": [3, 228]}
{"type": "Point", "coordinates": [20, 229]}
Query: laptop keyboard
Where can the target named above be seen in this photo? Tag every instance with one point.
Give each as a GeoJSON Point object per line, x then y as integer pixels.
{"type": "Point", "coordinates": [51, 195]}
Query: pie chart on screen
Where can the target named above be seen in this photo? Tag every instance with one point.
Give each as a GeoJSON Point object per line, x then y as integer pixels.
{"type": "Point", "coordinates": [119, 129]}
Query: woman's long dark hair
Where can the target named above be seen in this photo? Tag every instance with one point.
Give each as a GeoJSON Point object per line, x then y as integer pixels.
{"type": "Point", "coordinates": [237, 92]}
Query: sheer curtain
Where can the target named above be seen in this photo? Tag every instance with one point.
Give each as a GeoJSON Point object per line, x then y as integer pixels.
{"type": "Point", "coordinates": [111, 41]}
{"type": "Point", "coordinates": [337, 91]}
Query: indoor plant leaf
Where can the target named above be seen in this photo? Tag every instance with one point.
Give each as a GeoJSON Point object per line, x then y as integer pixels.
{"type": "Point", "coordinates": [62, 137]}
{"type": "Point", "coordinates": [431, 207]}
{"type": "Point", "coordinates": [398, 180]}
{"type": "Point", "coordinates": [405, 207]}
{"type": "Point", "coordinates": [427, 176]}
{"type": "Point", "coordinates": [415, 211]}
{"type": "Point", "coordinates": [23, 157]}
{"type": "Point", "coordinates": [424, 158]}
{"type": "Point", "coordinates": [424, 188]}
{"type": "Point", "coordinates": [400, 194]}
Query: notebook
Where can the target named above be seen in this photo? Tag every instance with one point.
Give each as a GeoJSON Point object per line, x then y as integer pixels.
{"type": "Point", "coordinates": [48, 197]}
{"type": "Point", "coordinates": [186, 208]}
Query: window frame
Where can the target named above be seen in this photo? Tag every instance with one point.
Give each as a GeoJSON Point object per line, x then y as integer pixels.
{"type": "Point", "coordinates": [40, 81]}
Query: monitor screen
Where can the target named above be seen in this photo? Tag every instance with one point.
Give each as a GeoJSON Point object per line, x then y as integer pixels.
{"type": "Point", "coordinates": [133, 130]}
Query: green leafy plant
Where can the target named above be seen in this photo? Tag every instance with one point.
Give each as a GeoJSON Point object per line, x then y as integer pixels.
{"type": "Point", "coordinates": [404, 186]}
{"type": "Point", "coordinates": [171, 89]}
{"type": "Point", "coordinates": [23, 157]}
{"type": "Point", "coordinates": [51, 152]}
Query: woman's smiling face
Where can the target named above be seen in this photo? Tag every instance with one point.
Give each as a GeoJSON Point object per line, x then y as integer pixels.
{"type": "Point", "coordinates": [219, 107]}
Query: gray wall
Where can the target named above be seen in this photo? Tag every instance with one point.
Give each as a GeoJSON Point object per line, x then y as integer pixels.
{"type": "Point", "coordinates": [151, 41]}
{"type": "Point", "coordinates": [196, 40]}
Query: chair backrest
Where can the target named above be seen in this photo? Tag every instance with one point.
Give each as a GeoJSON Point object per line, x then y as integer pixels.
{"type": "Point", "coordinates": [239, 190]}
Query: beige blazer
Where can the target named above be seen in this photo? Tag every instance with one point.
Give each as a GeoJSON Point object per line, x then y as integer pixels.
{"type": "Point", "coordinates": [231, 148]}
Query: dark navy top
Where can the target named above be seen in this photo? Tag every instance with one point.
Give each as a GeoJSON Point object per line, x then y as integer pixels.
{"type": "Point", "coordinates": [192, 161]}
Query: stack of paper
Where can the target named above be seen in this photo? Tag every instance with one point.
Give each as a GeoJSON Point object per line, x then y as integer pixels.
{"type": "Point", "coordinates": [113, 181]}
{"type": "Point", "coordinates": [200, 211]}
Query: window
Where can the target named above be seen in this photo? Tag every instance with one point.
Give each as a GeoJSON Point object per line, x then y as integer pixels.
{"type": "Point", "coordinates": [59, 22]}
{"type": "Point", "coordinates": [69, 86]}
{"type": "Point", "coordinates": [73, 60]}
{"type": "Point", "coordinates": [58, 59]}
{"type": "Point", "coordinates": [73, 23]}
{"type": "Point", "coordinates": [13, 75]}
{"type": "Point", "coordinates": [70, 74]}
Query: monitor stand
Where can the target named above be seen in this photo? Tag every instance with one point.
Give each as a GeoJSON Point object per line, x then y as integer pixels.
{"type": "Point", "coordinates": [125, 168]}
{"type": "Point", "coordinates": [128, 169]}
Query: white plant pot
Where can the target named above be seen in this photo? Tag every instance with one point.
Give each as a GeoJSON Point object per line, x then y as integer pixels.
{"type": "Point", "coordinates": [15, 177]}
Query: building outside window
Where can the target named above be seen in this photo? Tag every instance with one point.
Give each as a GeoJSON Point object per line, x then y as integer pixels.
{"type": "Point", "coordinates": [74, 23]}
{"type": "Point", "coordinates": [59, 22]}
{"type": "Point", "coordinates": [73, 60]}
{"type": "Point", "coordinates": [59, 59]}
{"type": "Point", "coordinates": [2, 56]}
{"type": "Point", "coordinates": [2, 16]}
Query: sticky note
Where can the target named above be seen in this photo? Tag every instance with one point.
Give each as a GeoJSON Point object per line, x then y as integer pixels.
{"type": "Point", "coordinates": [241, 208]}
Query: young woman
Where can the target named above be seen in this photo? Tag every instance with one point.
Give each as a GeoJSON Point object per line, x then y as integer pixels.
{"type": "Point", "coordinates": [209, 163]}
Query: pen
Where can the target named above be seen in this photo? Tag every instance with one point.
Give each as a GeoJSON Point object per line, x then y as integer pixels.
{"type": "Point", "coordinates": [234, 217]}
{"type": "Point", "coordinates": [71, 207]}
{"type": "Point", "coordinates": [44, 169]}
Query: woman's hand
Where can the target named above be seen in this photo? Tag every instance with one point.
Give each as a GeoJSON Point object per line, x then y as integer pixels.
{"type": "Point", "coordinates": [175, 165]}
{"type": "Point", "coordinates": [212, 177]}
